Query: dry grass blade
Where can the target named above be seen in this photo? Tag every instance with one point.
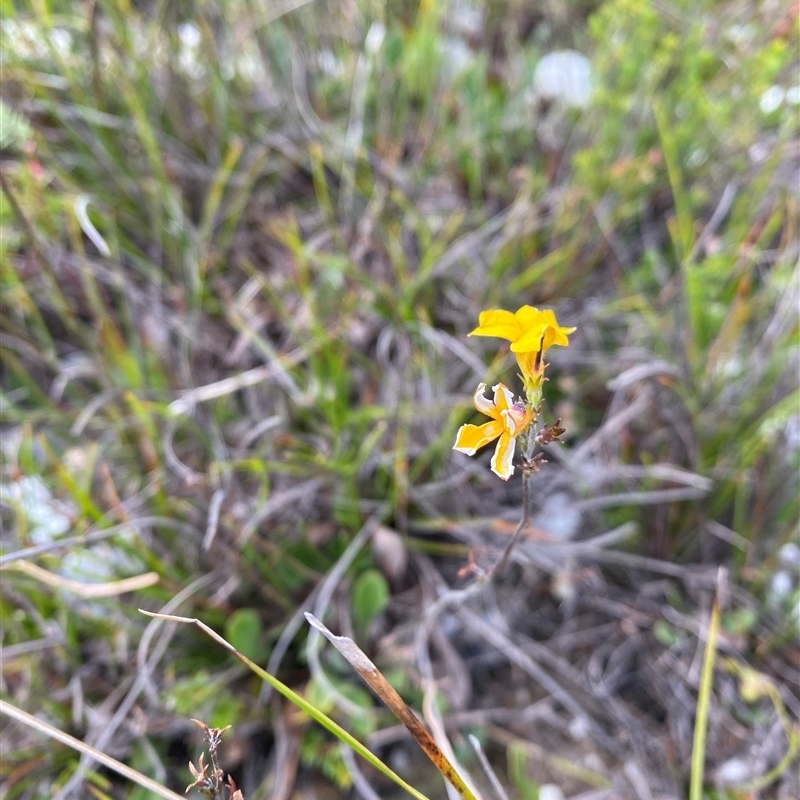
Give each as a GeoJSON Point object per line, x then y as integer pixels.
{"type": "Point", "coordinates": [82, 747]}
{"type": "Point", "coordinates": [487, 768]}
{"type": "Point", "coordinates": [87, 590]}
{"type": "Point", "coordinates": [92, 537]}
{"type": "Point", "coordinates": [376, 681]}
{"type": "Point", "coordinates": [228, 386]}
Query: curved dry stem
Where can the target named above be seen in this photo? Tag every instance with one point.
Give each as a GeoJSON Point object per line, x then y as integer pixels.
{"type": "Point", "coordinates": [523, 523]}
{"type": "Point", "coordinates": [87, 750]}
{"type": "Point", "coordinates": [374, 678]}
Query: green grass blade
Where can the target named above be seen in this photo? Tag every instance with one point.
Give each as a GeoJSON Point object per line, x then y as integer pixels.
{"type": "Point", "coordinates": [303, 704]}
{"type": "Point", "coordinates": [703, 703]}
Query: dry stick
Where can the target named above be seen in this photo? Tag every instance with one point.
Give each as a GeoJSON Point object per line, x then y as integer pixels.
{"type": "Point", "coordinates": [459, 681]}
{"type": "Point", "coordinates": [593, 544]}
{"type": "Point", "coordinates": [360, 783]}
{"type": "Point", "coordinates": [189, 476]}
{"type": "Point", "coordinates": [701, 575]}
{"type": "Point", "coordinates": [466, 246]}
{"type": "Point", "coordinates": [375, 679]}
{"type": "Point", "coordinates": [286, 756]}
{"type": "Point", "coordinates": [91, 538]}
{"type": "Point", "coordinates": [275, 504]}
{"type": "Point", "coordinates": [227, 386]}
{"type": "Point", "coordinates": [213, 518]}
{"type": "Point", "coordinates": [643, 498]}
{"type": "Point", "coordinates": [12, 651]}
{"type": "Point", "coordinates": [487, 768]}
{"type": "Point", "coordinates": [431, 713]}
{"type": "Point", "coordinates": [516, 655]}
{"type": "Point", "coordinates": [355, 126]}
{"type": "Point", "coordinates": [720, 212]}
{"type": "Point", "coordinates": [80, 205]}
{"type": "Point", "coordinates": [610, 428]}
{"type": "Point", "coordinates": [91, 408]}
{"type": "Point", "coordinates": [87, 750]}
{"type": "Point", "coordinates": [540, 710]}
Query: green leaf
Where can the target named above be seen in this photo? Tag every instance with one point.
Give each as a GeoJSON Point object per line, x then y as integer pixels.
{"type": "Point", "coordinates": [665, 634]}
{"type": "Point", "coordinates": [370, 597]}
{"type": "Point", "coordinates": [243, 631]}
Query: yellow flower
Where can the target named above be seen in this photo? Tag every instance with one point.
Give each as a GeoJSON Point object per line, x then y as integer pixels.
{"type": "Point", "coordinates": [530, 331]}
{"type": "Point", "coordinates": [509, 419]}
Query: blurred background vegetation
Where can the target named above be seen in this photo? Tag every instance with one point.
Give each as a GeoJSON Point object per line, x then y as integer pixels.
{"type": "Point", "coordinates": [242, 243]}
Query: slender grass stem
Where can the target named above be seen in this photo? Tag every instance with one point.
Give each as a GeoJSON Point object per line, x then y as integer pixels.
{"type": "Point", "coordinates": [703, 703]}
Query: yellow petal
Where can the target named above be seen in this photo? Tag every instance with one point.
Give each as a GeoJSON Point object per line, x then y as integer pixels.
{"type": "Point", "coordinates": [499, 323]}
{"type": "Point", "coordinates": [503, 399]}
{"type": "Point", "coordinates": [472, 437]}
{"type": "Point", "coordinates": [530, 342]}
{"type": "Point", "coordinates": [554, 333]}
{"type": "Point", "coordinates": [545, 336]}
{"type": "Point", "coordinates": [482, 403]}
{"type": "Point", "coordinates": [529, 317]}
{"type": "Point", "coordinates": [553, 336]}
{"type": "Point", "coordinates": [503, 457]}
{"type": "Point", "coordinates": [527, 364]}
{"type": "Point", "coordinates": [549, 318]}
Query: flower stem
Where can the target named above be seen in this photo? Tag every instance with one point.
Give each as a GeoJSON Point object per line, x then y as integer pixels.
{"type": "Point", "coordinates": [523, 523]}
{"type": "Point", "coordinates": [528, 443]}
